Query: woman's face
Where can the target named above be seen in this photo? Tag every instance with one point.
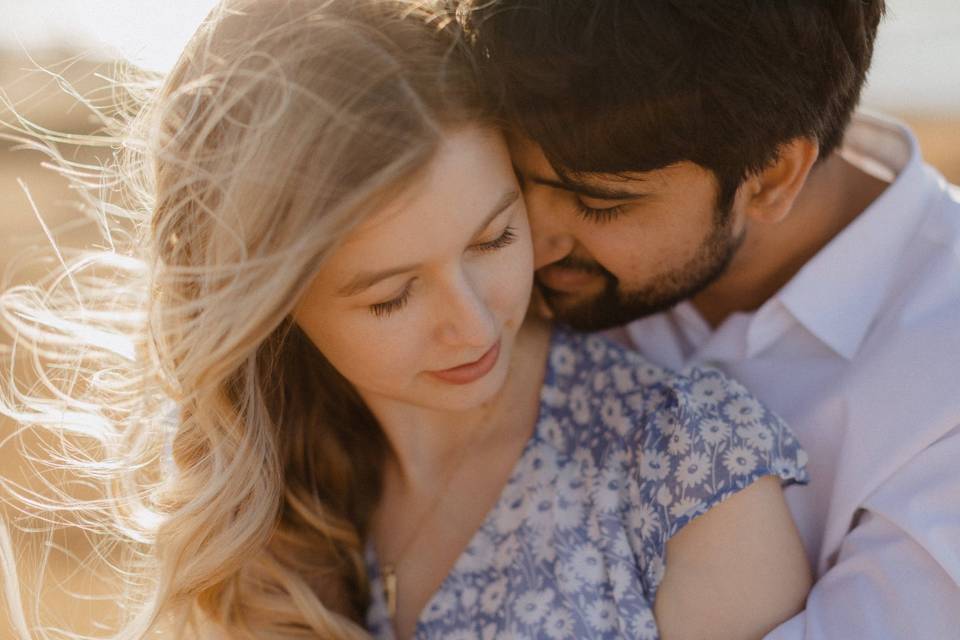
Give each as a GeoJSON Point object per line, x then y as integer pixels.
{"type": "Point", "coordinates": [421, 304]}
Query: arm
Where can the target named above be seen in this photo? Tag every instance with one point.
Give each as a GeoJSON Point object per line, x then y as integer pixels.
{"type": "Point", "coordinates": [736, 571]}
{"type": "Point", "coordinates": [897, 573]}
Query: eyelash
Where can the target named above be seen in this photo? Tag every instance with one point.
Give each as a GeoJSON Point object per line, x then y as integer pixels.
{"type": "Point", "coordinates": [507, 237]}
{"type": "Point", "coordinates": [598, 215]}
{"type": "Point", "coordinates": [384, 309]}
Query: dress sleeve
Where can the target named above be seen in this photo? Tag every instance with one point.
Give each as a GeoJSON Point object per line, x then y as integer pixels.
{"type": "Point", "coordinates": [707, 438]}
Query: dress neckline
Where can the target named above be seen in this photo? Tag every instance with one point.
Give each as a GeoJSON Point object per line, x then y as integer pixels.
{"type": "Point", "coordinates": [377, 610]}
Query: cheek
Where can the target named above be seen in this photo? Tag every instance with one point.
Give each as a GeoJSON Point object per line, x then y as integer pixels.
{"type": "Point", "coordinates": [511, 276]}
{"type": "Point", "coordinates": [648, 242]}
{"type": "Point", "coordinates": [373, 355]}
{"type": "Point", "coordinates": [364, 351]}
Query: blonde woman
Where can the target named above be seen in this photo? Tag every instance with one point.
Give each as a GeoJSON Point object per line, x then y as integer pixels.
{"type": "Point", "coordinates": [330, 284]}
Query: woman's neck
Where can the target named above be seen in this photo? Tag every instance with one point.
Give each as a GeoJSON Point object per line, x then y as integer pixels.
{"type": "Point", "coordinates": [425, 443]}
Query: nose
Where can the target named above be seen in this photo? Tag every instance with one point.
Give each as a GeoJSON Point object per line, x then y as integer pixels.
{"type": "Point", "coordinates": [466, 317]}
{"type": "Point", "coordinates": [552, 241]}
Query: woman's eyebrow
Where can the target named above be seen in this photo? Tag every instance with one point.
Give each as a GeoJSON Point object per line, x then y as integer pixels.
{"type": "Point", "coordinates": [505, 201]}
{"type": "Point", "coordinates": [366, 279]}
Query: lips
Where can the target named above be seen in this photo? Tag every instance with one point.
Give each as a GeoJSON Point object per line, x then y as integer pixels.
{"type": "Point", "coordinates": [472, 371]}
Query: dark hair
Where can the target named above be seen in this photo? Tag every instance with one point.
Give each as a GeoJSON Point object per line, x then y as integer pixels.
{"type": "Point", "coordinates": [615, 86]}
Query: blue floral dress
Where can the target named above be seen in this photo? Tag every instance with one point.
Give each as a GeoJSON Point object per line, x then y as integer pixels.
{"type": "Point", "coordinates": [623, 455]}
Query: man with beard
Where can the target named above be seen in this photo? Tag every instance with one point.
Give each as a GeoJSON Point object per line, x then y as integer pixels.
{"type": "Point", "coordinates": [695, 174]}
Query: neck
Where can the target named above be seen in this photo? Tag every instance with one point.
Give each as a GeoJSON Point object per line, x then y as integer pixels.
{"type": "Point", "coordinates": [425, 443]}
{"type": "Point", "coordinates": [771, 254]}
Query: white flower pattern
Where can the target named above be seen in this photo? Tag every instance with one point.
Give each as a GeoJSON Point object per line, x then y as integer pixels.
{"type": "Point", "coordinates": [624, 455]}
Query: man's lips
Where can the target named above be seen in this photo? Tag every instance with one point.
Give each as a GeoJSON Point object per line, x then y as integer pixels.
{"type": "Point", "coordinates": [471, 371]}
{"type": "Point", "coordinates": [562, 279]}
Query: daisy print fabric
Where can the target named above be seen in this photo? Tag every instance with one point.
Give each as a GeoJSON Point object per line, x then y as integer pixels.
{"type": "Point", "coordinates": [624, 454]}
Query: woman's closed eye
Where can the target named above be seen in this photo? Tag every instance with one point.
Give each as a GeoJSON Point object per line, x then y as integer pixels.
{"type": "Point", "coordinates": [505, 238]}
{"type": "Point", "coordinates": [384, 309]}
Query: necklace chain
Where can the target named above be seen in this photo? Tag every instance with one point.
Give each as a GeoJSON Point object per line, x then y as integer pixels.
{"type": "Point", "coordinates": [390, 579]}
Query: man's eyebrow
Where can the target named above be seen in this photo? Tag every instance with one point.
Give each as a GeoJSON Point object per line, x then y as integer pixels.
{"type": "Point", "coordinates": [365, 280]}
{"type": "Point", "coordinates": [589, 190]}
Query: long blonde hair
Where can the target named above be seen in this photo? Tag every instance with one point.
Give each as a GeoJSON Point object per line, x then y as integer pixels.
{"type": "Point", "coordinates": [237, 467]}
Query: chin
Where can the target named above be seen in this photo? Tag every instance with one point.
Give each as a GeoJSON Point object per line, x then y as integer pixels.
{"type": "Point", "coordinates": [451, 397]}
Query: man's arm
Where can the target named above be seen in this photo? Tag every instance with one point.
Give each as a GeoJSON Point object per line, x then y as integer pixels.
{"type": "Point", "coordinates": [897, 574]}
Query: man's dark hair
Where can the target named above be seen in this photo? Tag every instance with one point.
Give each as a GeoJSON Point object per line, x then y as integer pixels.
{"type": "Point", "coordinates": [616, 86]}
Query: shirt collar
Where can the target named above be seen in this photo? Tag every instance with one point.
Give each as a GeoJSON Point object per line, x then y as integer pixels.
{"type": "Point", "coordinates": [838, 293]}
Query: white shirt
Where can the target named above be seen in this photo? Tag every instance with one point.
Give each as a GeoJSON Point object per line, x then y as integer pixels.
{"type": "Point", "coordinates": [860, 353]}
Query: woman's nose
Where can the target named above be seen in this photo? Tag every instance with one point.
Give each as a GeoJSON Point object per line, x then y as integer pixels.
{"type": "Point", "coordinates": [467, 319]}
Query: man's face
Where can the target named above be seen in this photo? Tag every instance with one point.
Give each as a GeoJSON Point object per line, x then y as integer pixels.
{"type": "Point", "coordinates": [609, 249]}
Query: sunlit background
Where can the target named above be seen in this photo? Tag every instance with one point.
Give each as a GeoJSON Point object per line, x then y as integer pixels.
{"type": "Point", "coordinates": [915, 76]}
{"type": "Point", "coordinates": [915, 67]}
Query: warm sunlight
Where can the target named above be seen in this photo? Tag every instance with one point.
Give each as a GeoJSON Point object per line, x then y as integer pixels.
{"type": "Point", "coordinates": [151, 33]}
{"type": "Point", "coordinates": [147, 32]}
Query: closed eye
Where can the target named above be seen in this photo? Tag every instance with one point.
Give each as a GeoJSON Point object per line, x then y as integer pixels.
{"type": "Point", "coordinates": [384, 309]}
{"type": "Point", "coordinates": [507, 237]}
{"type": "Point", "coordinates": [600, 216]}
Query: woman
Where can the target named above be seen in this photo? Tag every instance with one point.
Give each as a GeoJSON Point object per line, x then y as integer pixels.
{"type": "Point", "coordinates": [372, 435]}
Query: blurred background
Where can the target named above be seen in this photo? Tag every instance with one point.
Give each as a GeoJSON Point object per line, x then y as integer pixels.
{"type": "Point", "coordinates": [914, 77]}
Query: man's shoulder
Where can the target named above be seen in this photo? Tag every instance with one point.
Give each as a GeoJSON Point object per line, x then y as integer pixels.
{"type": "Point", "coordinates": [928, 287]}
{"type": "Point", "coordinates": [942, 224]}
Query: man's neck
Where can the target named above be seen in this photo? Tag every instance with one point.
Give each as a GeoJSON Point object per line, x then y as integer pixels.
{"type": "Point", "coordinates": [771, 254]}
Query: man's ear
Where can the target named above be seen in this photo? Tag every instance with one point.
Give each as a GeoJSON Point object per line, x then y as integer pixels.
{"type": "Point", "coordinates": [770, 193]}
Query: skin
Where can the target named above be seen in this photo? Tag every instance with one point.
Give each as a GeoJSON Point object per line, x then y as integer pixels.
{"type": "Point", "coordinates": [467, 288]}
{"type": "Point", "coordinates": [736, 572]}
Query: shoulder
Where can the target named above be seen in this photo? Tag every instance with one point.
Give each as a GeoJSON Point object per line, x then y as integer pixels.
{"type": "Point", "coordinates": [602, 366]}
{"type": "Point", "coordinates": [716, 440]}
{"type": "Point", "coordinates": [608, 386]}
{"type": "Point", "coordinates": [610, 398]}
{"type": "Point", "coordinates": [603, 388]}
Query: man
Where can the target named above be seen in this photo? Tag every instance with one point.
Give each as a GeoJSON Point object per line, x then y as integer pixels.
{"type": "Point", "coordinates": [692, 172]}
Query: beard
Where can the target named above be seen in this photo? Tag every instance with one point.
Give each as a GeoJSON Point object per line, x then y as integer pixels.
{"type": "Point", "coordinates": [615, 306]}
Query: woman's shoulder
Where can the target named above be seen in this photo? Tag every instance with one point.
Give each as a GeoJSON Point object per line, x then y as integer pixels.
{"type": "Point", "coordinates": [593, 374]}
{"type": "Point", "coordinates": [694, 436]}
{"type": "Point", "coordinates": [604, 385]}
{"type": "Point", "coordinates": [602, 365]}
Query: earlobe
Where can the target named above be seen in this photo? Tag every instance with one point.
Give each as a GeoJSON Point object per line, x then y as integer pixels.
{"type": "Point", "coordinates": [772, 191]}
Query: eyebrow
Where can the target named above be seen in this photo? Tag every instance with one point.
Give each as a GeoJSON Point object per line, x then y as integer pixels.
{"type": "Point", "coordinates": [365, 280]}
{"type": "Point", "coordinates": [591, 191]}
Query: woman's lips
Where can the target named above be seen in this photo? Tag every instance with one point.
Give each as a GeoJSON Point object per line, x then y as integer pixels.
{"type": "Point", "coordinates": [467, 373]}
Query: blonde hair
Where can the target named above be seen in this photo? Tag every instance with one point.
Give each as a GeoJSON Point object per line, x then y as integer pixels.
{"type": "Point", "coordinates": [237, 466]}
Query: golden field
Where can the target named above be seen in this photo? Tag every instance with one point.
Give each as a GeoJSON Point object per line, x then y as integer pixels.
{"type": "Point", "coordinates": [38, 96]}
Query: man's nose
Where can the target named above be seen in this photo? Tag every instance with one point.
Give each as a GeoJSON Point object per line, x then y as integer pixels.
{"type": "Point", "coordinates": [552, 240]}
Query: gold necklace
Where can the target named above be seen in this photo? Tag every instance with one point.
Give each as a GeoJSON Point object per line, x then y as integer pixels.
{"type": "Point", "coordinates": [390, 580]}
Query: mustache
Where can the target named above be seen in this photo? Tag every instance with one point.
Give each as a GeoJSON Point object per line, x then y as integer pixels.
{"type": "Point", "coordinates": [574, 263]}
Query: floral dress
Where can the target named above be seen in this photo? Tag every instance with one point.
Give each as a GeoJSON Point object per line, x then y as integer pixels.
{"type": "Point", "coordinates": [623, 455]}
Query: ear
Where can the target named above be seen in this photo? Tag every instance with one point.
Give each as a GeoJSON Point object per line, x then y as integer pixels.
{"type": "Point", "coordinates": [770, 193]}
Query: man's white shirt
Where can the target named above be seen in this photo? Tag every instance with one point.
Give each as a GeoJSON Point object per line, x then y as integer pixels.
{"type": "Point", "coordinates": [860, 354]}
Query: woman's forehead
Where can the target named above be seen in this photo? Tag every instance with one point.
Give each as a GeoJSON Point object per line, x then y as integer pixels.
{"type": "Point", "coordinates": [466, 179]}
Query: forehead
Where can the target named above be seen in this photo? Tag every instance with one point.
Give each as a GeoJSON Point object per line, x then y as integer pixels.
{"type": "Point", "coordinates": [531, 162]}
{"type": "Point", "coordinates": [463, 181]}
